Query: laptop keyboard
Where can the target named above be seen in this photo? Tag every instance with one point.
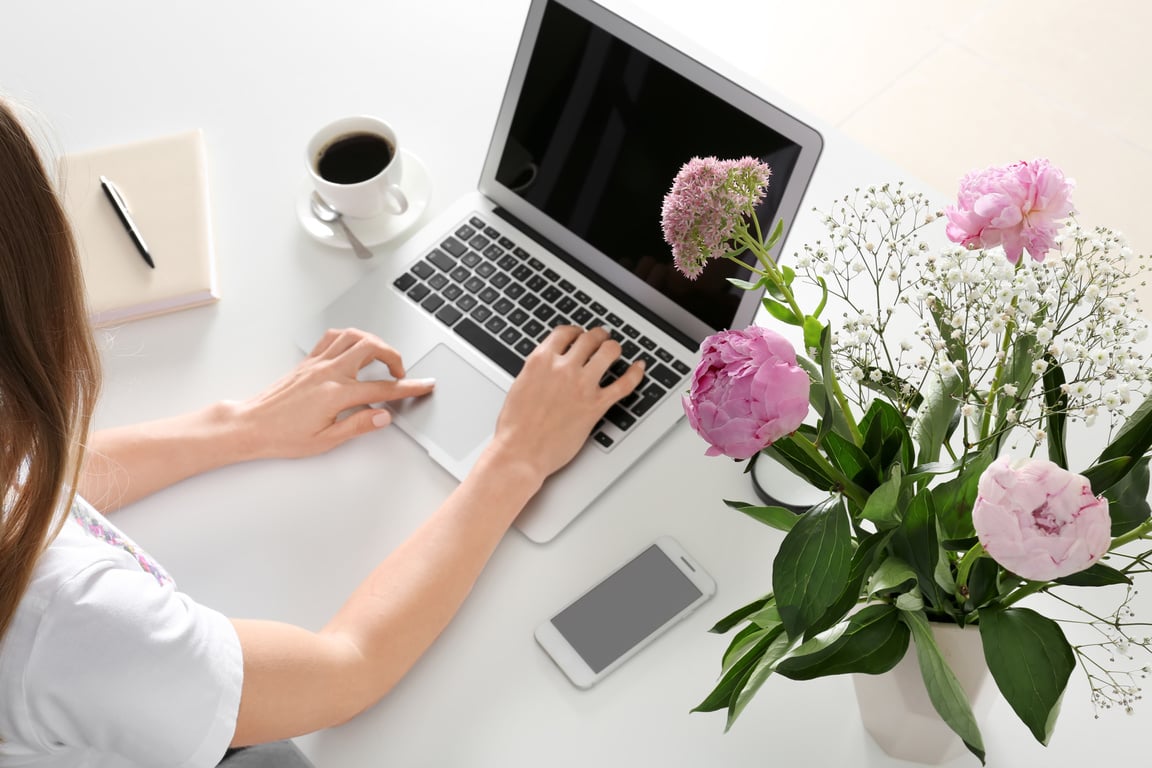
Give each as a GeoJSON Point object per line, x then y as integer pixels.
{"type": "Point", "coordinates": [503, 301]}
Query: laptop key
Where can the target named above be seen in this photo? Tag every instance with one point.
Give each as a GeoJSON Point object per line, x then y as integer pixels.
{"type": "Point", "coordinates": [581, 316]}
{"type": "Point", "coordinates": [466, 302]}
{"type": "Point", "coordinates": [522, 272]}
{"type": "Point", "coordinates": [489, 345]}
{"type": "Point", "coordinates": [525, 346]}
{"type": "Point", "coordinates": [566, 286]}
{"type": "Point", "coordinates": [471, 259]}
{"type": "Point", "coordinates": [405, 281]}
{"type": "Point", "coordinates": [449, 314]}
{"type": "Point", "coordinates": [418, 291]}
{"type": "Point", "coordinates": [552, 293]}
{"type": "Point", "coordinates": [664, 355]}
{"type": "Point", "coordinates": [630, 331]}
{"type": "Point", "coordinates": [510, 336]}
{"type": "Point", "coordinates": [422, 269]}
{"type": "Point", "coordinates": [615, 319]}
{"type": "Point", "coordinates": [495, 324]}
{"type": "Point", "coordinates": [628, 350]}
{"type": "Point", "coordinates": [535, 282]}
{"type": "Point", "coordinates": [543, 312]}
{"type": "Point", "coordinates": [441, 260]}
{"type": "Point", "coordinates": [514, 290]}
{"type": "Point", "coordinates": [582, 297]}
{"type": "Point", "coordinates": [477, 222]}
{"type": "Point", "coordinates": [532, 327]}
{"type": "Point", "coordinates": [493, 252]}
{"type": "Point", "coordinates": [647, 343]}
{"type": "Point", "coordinates": [643, 403]}
{"type": "Point", "coordinates": [485, 269]}
{"type": "Point", "coordinates": [529, 301]}
{"type": "Point", "coordinates": [620, 417]}
{"type": "Point", "coordinates": [649, 363]}
{"type": "Point", "coordinates": [465, 232]}
{"type": "Point", "coordinates": [664, 375]}
{"type": "Point", "coordinates": [454, 247]}
{"type": "Point", "coordinates": [489, 295]}
{"type": "Point", "coordinates": [433, 302]}
{"type": "Point", "coordinates": [481, 313]}
{"type": "Point", "coordinates": [566, 305]}
{"type": "Point", "coordinates": [479, 242]}
{"type": "Point", "coordinates": [559, 320]}
{"type": "Point", "coordinates": [438, 281]}
{"type": "Point", "coordinates": [507, 263]}
{"type": "Point", "coordinates": [503, 306]}
{"type": "Point", "coordinates": [460, 274]}
{"type": "Point", "coordinates": [599, 308]}
{"type": "Point", "coordinates": [521, 252]}
{"type": "Point", "coordinates": [603, 439]}
{"type": "Point", "coordinates": [453, 292]}
{"type": "Point", "coordinates": [492, 232]}
{"type": "Point", "coordinates": [506, 242]}
{"type": "Point", "coordinates": [536, 264]}
{"type": "Point", "coordinates": [474, 285]}
{"type": "Point", "coordinates": [517, 318]}
{"type": "Point", "coordinates": [500, 279]}
{"type": "Point", "coordinates": [681, 367]}
{"type": "Point", "coordinates": [552, 275]}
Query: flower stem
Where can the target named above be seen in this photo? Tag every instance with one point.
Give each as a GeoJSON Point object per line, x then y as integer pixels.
{"type": "Point", "coordinates": [1138, 532]}
{"type": "Point", "coordinates": [998, 376]}
{"type": "Point", "coordinates": [966, 563]}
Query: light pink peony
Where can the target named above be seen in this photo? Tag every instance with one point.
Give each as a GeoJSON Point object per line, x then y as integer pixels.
{"type": "Point", "coordinates": [1040, 521]}
{"type": "Point", "coordinates": [747, 392]}
{"type": "Point", "coordinates": [1019, 206]}
{"type": "Point", "coordinates": [708, 199]}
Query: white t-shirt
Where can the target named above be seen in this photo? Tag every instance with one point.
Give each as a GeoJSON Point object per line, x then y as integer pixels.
{"type": "Point", "coordinates": [105, 664]}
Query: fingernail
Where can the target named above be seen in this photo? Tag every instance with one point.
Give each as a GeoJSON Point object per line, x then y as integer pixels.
{"type": "Point", "coordinates": [382, 419]}
{"type": "Point", "coordinates": [424, 382]}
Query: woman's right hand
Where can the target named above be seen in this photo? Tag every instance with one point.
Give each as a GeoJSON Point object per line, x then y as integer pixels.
{"type": "Point", "coordinates": [557, 399]}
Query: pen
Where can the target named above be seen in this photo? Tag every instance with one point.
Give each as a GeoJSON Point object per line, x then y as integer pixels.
{"type": "Point", "coordinates": [121, 209]}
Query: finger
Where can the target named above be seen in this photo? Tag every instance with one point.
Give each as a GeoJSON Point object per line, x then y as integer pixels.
{"type": "Point", "coordinates": [559, 339]}
{"type": "Point", "coordinates": [365, 392]}
{"type": "Point", "coordinates": [607, 353]}
{"type": "Point", "coordinates": [587, 343]}
{"type": "Point", "coordinates": [336, 341]}
{"type": "Point", "coordinates": [370, 348]}
{"type": "Point", "coordinates": [326, 341]}
{"type": "Point", "coordinates": [359, 423]}
{"type": "Point", "coordinates": [625, 385]}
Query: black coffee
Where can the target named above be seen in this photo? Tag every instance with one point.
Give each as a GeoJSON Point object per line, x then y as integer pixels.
{"type": "Point", "coordinates": [353, 158]}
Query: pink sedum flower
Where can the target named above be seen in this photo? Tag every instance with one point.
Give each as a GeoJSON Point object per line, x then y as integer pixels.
{"type": "Point", "coordinates": [1040, 521]}
{"type": "Point", "coordinates": [1019, 207]}
{"type": "Point", "coordinates": [747, 392]}
{"type": "Point", "coordinates": [709, 198]}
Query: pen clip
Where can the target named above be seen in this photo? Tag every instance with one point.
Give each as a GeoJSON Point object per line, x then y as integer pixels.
{"type": "Point", "coordinates": [112, 190]}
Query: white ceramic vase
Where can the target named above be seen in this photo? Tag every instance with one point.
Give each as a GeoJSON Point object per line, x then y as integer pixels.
{"type": "Point", "coordinates": [897, 712]}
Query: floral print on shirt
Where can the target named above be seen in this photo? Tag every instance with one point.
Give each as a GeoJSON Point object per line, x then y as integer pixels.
{"type": "Point", "coordinates": [95, 525]}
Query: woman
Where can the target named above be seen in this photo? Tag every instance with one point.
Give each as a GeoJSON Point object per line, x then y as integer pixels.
{"type": "Point", "coordinates": [102, 660]}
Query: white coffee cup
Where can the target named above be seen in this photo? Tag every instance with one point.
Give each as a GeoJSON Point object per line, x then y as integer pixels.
{"type": "Point", "coordinates": [355, 165]}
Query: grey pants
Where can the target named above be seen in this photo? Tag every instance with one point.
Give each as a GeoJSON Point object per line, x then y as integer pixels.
{"type": "Point", "coordinates": [278, 754]}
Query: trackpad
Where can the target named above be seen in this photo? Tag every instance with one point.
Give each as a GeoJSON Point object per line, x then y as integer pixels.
{"type": "Point", "coordinates": [461, 412]}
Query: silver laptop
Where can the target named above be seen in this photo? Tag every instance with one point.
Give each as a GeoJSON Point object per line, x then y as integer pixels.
{"type": "Point", "coordinates": [564, 227]}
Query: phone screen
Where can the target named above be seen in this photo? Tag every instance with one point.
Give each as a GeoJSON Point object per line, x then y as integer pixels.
{"type": "Point", "coordinates": [625, 608]}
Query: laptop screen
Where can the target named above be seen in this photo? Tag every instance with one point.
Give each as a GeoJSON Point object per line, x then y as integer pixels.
{"type": "Point", "coordinates": [598, 131]}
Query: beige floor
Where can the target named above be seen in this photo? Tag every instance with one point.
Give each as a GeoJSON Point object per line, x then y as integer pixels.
{"type": "Point", "coordinates": [944, 88]}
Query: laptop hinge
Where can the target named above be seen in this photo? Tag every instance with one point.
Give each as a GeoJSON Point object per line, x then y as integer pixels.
{"type": "Point", "coordinates": [608, 286]}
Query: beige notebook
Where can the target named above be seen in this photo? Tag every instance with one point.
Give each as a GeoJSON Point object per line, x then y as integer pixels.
{"type": "Point", "coordinates": [164, 183]}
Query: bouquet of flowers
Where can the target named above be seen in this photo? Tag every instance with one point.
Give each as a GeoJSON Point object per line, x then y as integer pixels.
{"type": "Point", "coordinates": [943, 394]}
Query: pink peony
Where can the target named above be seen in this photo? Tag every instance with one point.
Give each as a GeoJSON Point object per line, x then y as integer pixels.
{"type": "Point", "coordinates": [1019, 206]}
{"type": "Point", "coordinates": [1040, 521]}
{"type": "Point", "coordinates": [747, 392]}
{"type": "Point", "coordinates": [709, 197]}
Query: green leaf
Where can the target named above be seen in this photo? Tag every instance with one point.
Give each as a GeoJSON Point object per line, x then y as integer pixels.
{"type": "Point", "coordinates": [759, 674]}
{"type": "Point", "coordinates": [1105, 474]}
{"type": "Point", "coordinates": [812, 566]}
{"type": "Point", "coordinates": [886, 436]}
{"type": "Point", "coordinates": [775, 517]}
{"type": "Point", "coordinates": [827, 372]}
{"type": "Point", "coordinates": [1097, 575]}
{"type": "Point", "coordinates": [732, 681]}
{"type": "Point", "coordinates": [781, 312]}
{"type": "Point", "coordinates": [846, 456]}
{"type": "Point", "coordinates": [788, 274]}
{"type": "Point", "coordinates": [930, 426]}
{"type": "Point", "coordinates": [882, 505]}
{"type": "Point", "coordinates": [944, 690]}
{"type": "Point", "coordinates": [1056, 404]}
{"type": "Point", "coordinates": [741, 642]}
{"type": "Point", "coordinates": [873, 642]}
{"type": "Point", "coordinates": [892, 574]}
{"type": "Point", "coordinates": [863, 564]}
{"type": "Point", "coordinates": [954, 498]}
{"type": "Point", "coordinates": [1030, 660]}
{"type": "Point", "coordinates": [740, 614]}
{"type": "Point", "coordinates": [775, 236]}
{"type": "Point", "coordinates": [818, 396]}
{"type": "Point", "coordinates": [983, 583]}
{"type": "Point", "coordinates": [917, 542]}
{"type": "Point", "coordinates": [795, 459]}
{"type": "Point", "coordinates": [1128, 499]}
{"type": "Point", "coordinates": [745, 285]}
{"type": "Point", "coordinates": [1134, 438]}
{"type": "Point", "coordinates": [813, 328]}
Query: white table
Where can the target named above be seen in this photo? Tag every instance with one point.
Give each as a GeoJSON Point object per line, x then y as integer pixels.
{"type": "Point", "coordinates": [288, 540]}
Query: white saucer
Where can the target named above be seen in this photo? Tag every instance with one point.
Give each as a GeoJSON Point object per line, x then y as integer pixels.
{"type": "Point", "coordinates": [417, 187]}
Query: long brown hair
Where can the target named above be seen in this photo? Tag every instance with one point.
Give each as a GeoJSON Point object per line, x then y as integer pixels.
{"type": "Point", "coordinates": [49, 369]}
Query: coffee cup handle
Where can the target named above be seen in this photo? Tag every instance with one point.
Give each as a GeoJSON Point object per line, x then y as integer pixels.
{"type": "Point", "coordinates": [396, 198]}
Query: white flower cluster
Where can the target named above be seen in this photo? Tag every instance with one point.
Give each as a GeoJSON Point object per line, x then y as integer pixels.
{"type": "Point", "coordinates": [934, 312]}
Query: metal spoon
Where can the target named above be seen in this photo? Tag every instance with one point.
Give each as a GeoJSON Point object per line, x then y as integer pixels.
{"type": "Point", "coordinates": [329, 215]}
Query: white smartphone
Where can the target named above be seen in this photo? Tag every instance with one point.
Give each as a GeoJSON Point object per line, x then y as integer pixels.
{"type": "Point", "coordinates": [613, 620]}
